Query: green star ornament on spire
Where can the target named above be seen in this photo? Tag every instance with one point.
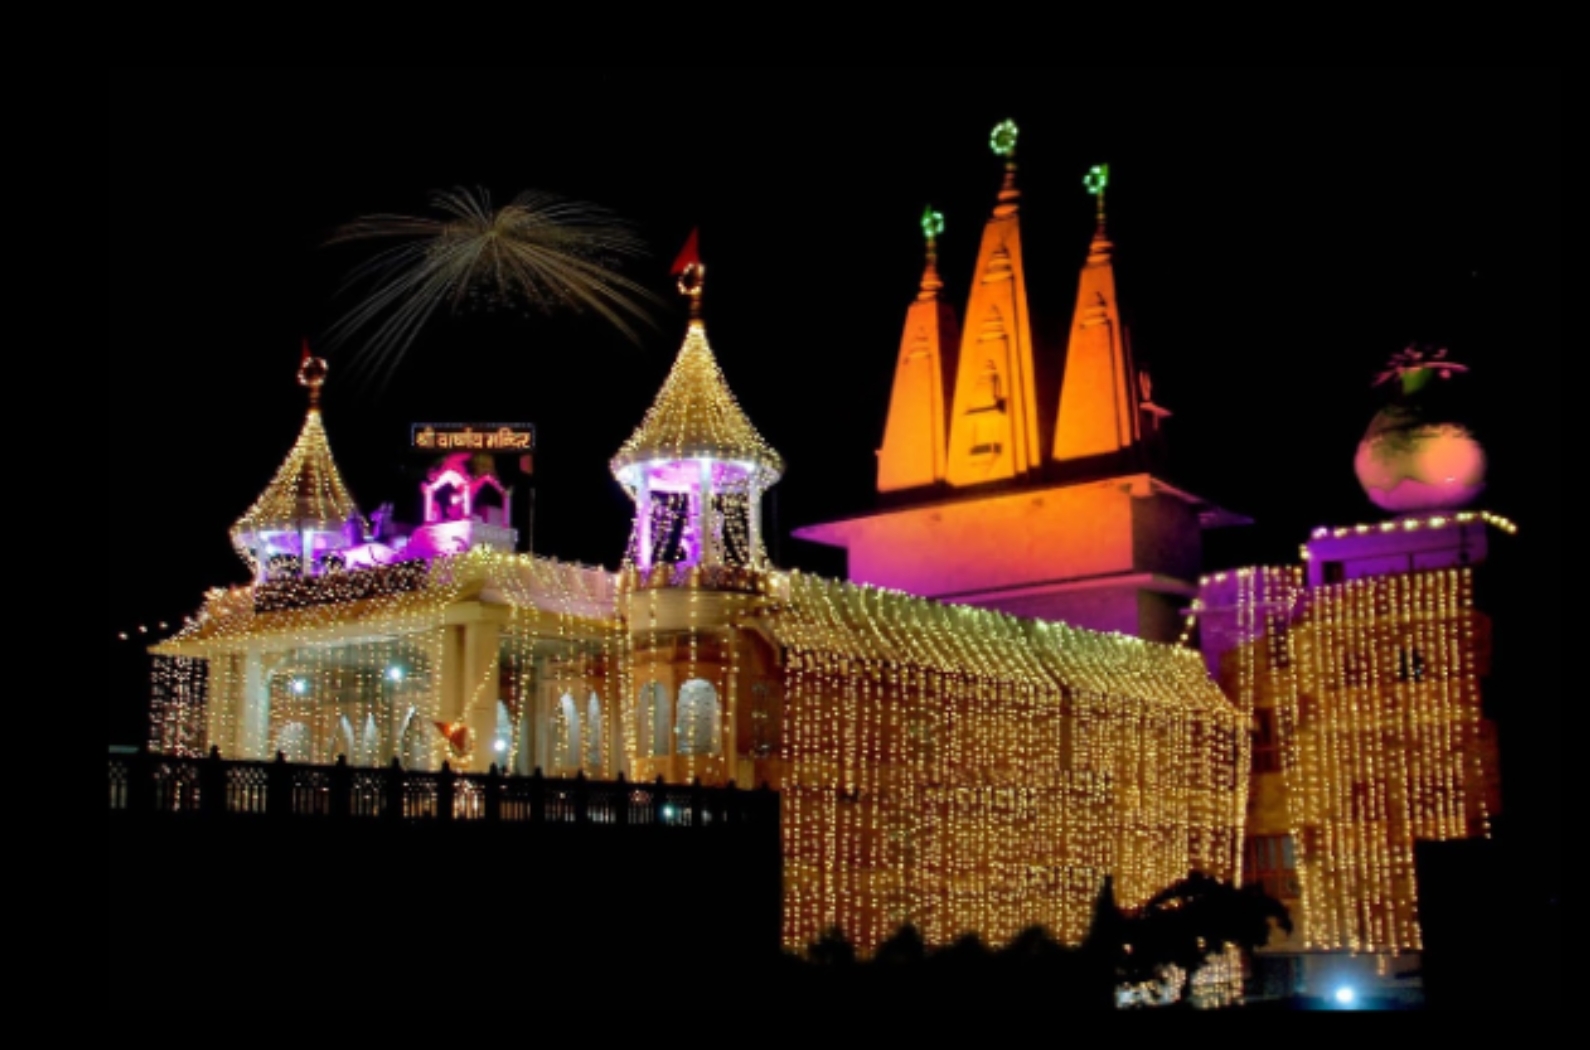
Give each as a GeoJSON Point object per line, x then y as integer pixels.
{"type": "Point", "coordinates": [932, 225]}
{"type": "Point", "coordinates": [1004, 140]}
{"type": "Point", "coordinates": [1098, 180]}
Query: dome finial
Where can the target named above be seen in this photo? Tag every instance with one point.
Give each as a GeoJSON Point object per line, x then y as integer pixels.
{"type": "Point", "coordinates": [932, 229]}
{"type": "Point", "coordinates": [1003, 143]}
{"type": "Point", "coordinates": [1098, 184]}
{"type": "Point", "coordinates": [312, 375]}
{"type": "Point", "coordinates": [692, 273]}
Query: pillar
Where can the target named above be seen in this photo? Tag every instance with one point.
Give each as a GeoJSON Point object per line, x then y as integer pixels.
{"type": "Point", "coordinates": [254, 711]}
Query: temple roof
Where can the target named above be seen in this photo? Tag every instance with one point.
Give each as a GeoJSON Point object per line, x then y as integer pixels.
{"type": "Point", "coordinates": [1052, 659]}
{"type": "Point", "coordinates": [307, 493]}
{"type": "Point", "coordinates": [696, 416]}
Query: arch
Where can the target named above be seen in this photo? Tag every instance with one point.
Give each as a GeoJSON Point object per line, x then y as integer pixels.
{"type": "Point", "coordinates": [414, 749]}
{"type": "Point", "coordinates": [700, 716]}
{"type": "Point", "coordinates": [343, 742]}
{"type": "Point", "coordinates": [593, 735]}
{"type": "Point", "coordinates": [654, 728]}
{"type": "Point", "coordinates": [767, 720]}
{"type": "Point", "coordinates": [369, 744]}
{"type": "Point", "coordinates": [293, 740]}
{"type": "Point", "coordinates": [502, 748]}
{"type": "Point", "coordinates": [568, 735]}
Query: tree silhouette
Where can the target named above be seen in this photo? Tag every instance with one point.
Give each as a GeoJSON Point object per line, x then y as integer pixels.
{"type": "Point", "coordinates": [833, 949]}
{"type": "Point", "coordinates": [906, 948]}
{"type": "Point", "coordinates": [1193, 923]}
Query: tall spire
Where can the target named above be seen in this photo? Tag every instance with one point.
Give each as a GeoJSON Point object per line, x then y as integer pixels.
{"type": "Point", "coordinates": [912, 455]}
{"type": "Point", "coordinates": [1099, 408]}
{"type": "Point", "coordinates": [994, 432]}
{"type": "Point", "coordinates": [306, 509]}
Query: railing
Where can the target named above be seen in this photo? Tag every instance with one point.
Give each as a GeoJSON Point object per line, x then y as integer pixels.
{"type": "Point", "coordinates": [157, 784]}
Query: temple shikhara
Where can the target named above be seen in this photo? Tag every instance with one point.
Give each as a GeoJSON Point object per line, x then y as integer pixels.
{"type": "Point", "coordinates": [1026, 686]}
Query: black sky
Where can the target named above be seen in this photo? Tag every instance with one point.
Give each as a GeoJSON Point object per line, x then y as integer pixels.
{"type": "Point", "coordinates": [1281, 233]}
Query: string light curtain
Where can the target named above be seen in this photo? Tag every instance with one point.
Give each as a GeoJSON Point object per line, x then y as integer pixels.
{"type": "Point", "coordinates": [962, 771]}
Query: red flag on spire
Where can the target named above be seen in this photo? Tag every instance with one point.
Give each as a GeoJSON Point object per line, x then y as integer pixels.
{"type": "Point", "coordinates": [691, 256]}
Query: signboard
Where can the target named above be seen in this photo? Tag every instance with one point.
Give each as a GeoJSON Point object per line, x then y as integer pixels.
{"type": "Point", "coordinates": [491, 438]}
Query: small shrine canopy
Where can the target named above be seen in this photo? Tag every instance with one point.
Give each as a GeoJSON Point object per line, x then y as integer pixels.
{"type": "Point", "coordinates": [696, 419]}
{"type": "Point", "coordinates": [306, 508]}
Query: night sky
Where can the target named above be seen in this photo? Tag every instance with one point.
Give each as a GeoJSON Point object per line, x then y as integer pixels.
{"type": "Point", "coordinates": [1280, 235]}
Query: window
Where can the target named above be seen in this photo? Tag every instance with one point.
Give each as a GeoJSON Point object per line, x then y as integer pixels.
{"type": "Point", "coordinates": [1272, 865]}
{"type": "Point", "coordinates": [1410, 665]}
{"type": "Point", "coordinates": [1266, 741]}
{"type": "Point", "coordinates": [1280, 637]}
{"type": "Point", "coordinates": [699, 717]}
{"type": "Point", "coordinates": [767, 721]}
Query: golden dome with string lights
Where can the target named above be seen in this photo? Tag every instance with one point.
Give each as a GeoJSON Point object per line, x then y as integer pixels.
{"type": "Point", "coordinates": [307, 502]}
{"type": "Point", "coordinates": [696, 417]}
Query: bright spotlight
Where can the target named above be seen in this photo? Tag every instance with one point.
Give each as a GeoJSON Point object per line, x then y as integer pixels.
{"type": "Point", "coordinates": [1346, 997]}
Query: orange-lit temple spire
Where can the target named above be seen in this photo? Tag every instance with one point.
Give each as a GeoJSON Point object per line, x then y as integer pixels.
{"type": "Point", "coordinates": [1099, 411]}
{"type": "Point", "coordinates": [913, 450]}
{"type": "Point", "coordinates": [994, 430]}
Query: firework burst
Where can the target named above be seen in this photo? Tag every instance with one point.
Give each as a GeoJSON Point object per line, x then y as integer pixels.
{"type": "Point", "coordinates": [540, 252]}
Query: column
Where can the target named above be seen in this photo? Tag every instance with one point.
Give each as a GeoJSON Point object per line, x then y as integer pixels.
{"type": "Point", "coordinates": [753, 523]}
{"type": "Point", "coordinates": [709, 547]}
{"type": "Point", "coordinates": [644, 555]}
{"type": "Point", "coordinates": [254, 713]}
{"type": "Point", "coordinates": [482, 680]}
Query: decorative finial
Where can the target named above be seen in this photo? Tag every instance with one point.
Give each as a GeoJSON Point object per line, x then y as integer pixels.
{"type": "Point", "coordinates": [1004, 145]}
{"type": "Point", "coordinates": [691, 282]}
{"type": "Point", "coordinates": [1415, 367]}
{"type": "Point", "coordinates": [312, 375]}
{"type": "Point", "coordinates": [1098, 182]}
{"type": "Point", "coordinates": [692, 273]}
{"type": "Point", "coordinates": [1004, 140]}
{"type": "Point", "coordinates": [932, 229]}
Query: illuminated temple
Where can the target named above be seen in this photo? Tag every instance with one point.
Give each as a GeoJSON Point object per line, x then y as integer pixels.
{"type": "Point", "coordinates": [994, 715]}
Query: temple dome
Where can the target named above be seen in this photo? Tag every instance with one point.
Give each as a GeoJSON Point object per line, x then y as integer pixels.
{"type": "Point", "coordinates": [695, 418]}
{"type": "Point", "coordinates": [306, 504]}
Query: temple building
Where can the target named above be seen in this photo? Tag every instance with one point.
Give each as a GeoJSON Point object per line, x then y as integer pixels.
{"type": "Point", "coordinates": [948, 767]}
{"type": "Point", "coordinates": [1360, 672]}
{"type": "Point", "coordinates": [1051, 509]}
{"type": "Point", "coordinates": [1027, 685]}
{"type": "Point", "coordinates": [1365, 670]}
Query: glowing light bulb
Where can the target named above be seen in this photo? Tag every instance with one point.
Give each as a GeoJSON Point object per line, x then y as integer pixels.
{"type": "Point", "coordinates": [1346, 997]}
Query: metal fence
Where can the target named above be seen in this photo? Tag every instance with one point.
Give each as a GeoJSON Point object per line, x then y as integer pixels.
{"type": "Point", "coordinates": [148, 784]}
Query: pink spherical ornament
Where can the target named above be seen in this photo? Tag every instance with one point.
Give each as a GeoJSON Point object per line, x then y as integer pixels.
{"type": "Point", "coordinates": [1415, 470]}
{"type": "Point", "coordinates": [1416, 457]}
